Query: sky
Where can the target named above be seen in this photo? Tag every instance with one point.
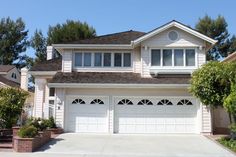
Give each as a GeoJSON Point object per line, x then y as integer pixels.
{"type": "Point", "coordinates": [110, 16]}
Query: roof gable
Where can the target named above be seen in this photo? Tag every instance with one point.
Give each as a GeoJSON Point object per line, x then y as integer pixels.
{"type": "Point", "coordinates": [177, 25]}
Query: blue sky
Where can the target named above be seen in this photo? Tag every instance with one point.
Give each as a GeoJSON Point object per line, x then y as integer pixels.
{"type": "Point", "coordinates": [108, 16]}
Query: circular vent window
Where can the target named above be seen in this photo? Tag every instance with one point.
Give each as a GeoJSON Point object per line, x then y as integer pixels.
{"type": "Point", "coordinates": [173, 35]}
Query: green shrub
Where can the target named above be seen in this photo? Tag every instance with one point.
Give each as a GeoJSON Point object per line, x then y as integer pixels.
{"type": "Point", "coordinates": [27, 132]}
{"type": "Point", "coordinates": [51, 123]}
{"type": "Point", "coordinates": [41, 124]}
{"type": "Point", "coordinates": [233, 128]}
{"type": "Point", "coordinates": [12, 101]}
{"type": "Point", "coordinates": [229, 143]}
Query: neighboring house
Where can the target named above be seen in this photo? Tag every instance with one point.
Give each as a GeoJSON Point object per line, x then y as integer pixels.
{"type": "Point", "coordinates": [127, 82]}
{"type": "Point", "coordinates": [221, 117]}
{"type": "Point", "coordinates": [9, 76]}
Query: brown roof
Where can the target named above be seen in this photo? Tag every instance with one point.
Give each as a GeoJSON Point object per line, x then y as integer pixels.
{"type": "Point", "coordinates": [48, 65]}
{"type": "Point", "coordinates": [9, 82]}
{"type": "Point", "coordinates": [6, 68]}
{"type": "Point", "coordinates": [117, 78]}
{"type": "Point", "coordinates": [116, 38]}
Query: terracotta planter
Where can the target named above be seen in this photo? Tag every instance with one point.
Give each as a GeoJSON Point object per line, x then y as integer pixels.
{"type": "Point", "coordinates": [56, 131]}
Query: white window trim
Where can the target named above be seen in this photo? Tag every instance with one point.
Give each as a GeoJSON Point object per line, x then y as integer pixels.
{"type": "Point", "coordinates": [173, 66]}
{"type": "Point", "coordinates": [102, 67]}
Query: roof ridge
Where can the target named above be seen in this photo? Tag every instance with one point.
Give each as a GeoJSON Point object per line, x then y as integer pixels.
{"type": "Point", "coordinates": [115, 34]}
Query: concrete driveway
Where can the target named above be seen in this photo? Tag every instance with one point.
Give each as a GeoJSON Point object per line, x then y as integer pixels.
{"type": "Point", "coordinates": [84, 145]}
{"type": "Point", "coordinates": [136, 145]}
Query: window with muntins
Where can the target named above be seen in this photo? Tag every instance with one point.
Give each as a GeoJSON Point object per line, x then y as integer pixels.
{"type": "Point", "coordinates": [184, 102]}
{"type": "Point", "coordinates": [100, 59]}
{"type": "Point", "coordinates": [125, 102]}
{"type": "Point", "coordinates": [164, 102]}
{"type": "Point", "coordinates": [173, 57]}
{"type": "Point", "coordinates": [145, 102]}
{"type": "Point", "coordinates": [97, 101]}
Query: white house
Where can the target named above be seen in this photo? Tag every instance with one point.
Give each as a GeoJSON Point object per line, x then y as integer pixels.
{"type": "Point", "coordinates": [127, 82]}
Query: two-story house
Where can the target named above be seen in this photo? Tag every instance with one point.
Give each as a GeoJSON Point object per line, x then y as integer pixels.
{"type": "Point", "coordinates": [127, 82]}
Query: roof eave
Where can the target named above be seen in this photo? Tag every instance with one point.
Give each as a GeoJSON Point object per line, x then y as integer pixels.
{"type": "Point", "coordinates": [104, 85]}
{"type": "Point", "coordinates": [92, 46]}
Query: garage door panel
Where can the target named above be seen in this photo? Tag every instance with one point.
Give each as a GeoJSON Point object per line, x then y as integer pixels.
{"type": "Point", "coordinates": [88, 117]}
{"type": "Point", "coordinates": [156, 118]}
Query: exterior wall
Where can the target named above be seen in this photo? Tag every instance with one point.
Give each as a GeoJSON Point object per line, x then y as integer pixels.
{"type": "Point", "coordinates": [39, 98]}
{"type": "Point", "coordinates": [8, 75]}
{"type": "Point", "coordinates": [161, 40]}
{"type": "Point", "coordinates": [59, 107]}
{"type": "Point", "coordinates": [67, 61]}
{"type": "Point", "coordinates": [206, 120]}
{"type": "Point", "coordinates": [137, 60]}
{"type": "Point", "coordinates": [221, 121]}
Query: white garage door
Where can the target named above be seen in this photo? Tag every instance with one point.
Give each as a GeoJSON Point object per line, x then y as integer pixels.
{"type": "Point", "coordinates": [87, 114]}
{"type": "Point", "coordinates": [155, 115]}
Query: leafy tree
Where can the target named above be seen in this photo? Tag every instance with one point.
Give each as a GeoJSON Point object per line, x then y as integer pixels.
{"type": "Point", "coordinates": [39, 43]}
{"type": "Point", "coordinates": [13, 42]}
{"type": "Point", "coordinates": [211, 83]}
{"type": "Point", "coordinates": [216, 29]}
{"type": "Point", "coordinates": [232, 47]}
{"type": "Point", "coordinates": [69, 32]}
{"type": "Point", "coordinates": [11, 105]}
{"type": "Point", "coordinates": [230, 104]}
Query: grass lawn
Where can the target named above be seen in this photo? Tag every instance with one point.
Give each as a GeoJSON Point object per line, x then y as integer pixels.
{"type": "Point", "coordinates": [227, 142]}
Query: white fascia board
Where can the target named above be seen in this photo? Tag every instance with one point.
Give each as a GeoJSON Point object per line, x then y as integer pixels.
{"type": "Point", "coordinates": [41, 73]}
{"type": "Point", "coordinates": [94, 85]}
{"type": "Point", "coordinates": [92, 46]}
{"type": "Point", "coordinates": [178, 25]}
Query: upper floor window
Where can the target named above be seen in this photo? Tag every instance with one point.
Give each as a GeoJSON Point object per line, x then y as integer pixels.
{"type": "Point", "coordinates": [51, 91]}
{"type": "Point", "coordinates": [13, 75]}
{"type": "Point", "coordinates": [87, 59]}
{"type": "Point", "coordinates": [99, 59]}
{"type": "Point", "coordinates": [190, 57]}
{"type": "Point", "coordinates": [173, 57]}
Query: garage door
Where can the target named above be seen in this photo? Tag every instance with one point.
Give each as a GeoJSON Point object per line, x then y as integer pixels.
{"type": "Point", "coordinates": [87, 114]}
{"type": "Point", "coordinates": [155, 115]}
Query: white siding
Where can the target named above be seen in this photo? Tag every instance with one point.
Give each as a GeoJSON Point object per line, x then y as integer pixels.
{"type": "Point", "coordinates": [66, 61]}
{"type": "Point", "coordinates": [206, 120]}
{"type": "Point", "coordinates": [185, 40]}
{"type": "Point", "coordinates": [60, 103]}
{"type": "Point", "coordinates": [39, 97]}
{"type": "Point", "coordinates": [145, 62]}
{"type": "Point", "coordinates": [137, 60]}
{"type": "Point", "coordinates": [201, 57]}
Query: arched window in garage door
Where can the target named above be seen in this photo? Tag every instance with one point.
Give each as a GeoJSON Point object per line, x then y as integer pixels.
{"type": "Point", "coordinates": [184, 102]}
{"type": "Point", "coordinates": [145, 102]}
{"type": "Point", "coordinates": [165, 102]}
{"type": "Point", "coordinates": [125, 102]}
{"type": "Point", "coordinates": [97, 101]}
{"type": "Point", "coordinates": [78, 101]}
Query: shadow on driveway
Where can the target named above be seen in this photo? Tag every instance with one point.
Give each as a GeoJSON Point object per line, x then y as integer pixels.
{"type": "Point", "coordinates": [49, 144]}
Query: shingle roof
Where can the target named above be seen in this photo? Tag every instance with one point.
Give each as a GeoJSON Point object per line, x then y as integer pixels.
{"type": "Point", "coordinates": [9, 82]}
{"type": "Point", "coordinates": [6, 68]}
{"type": "Point", "coordinates": [116, 38]}
{"type": "Point", "coordinates": [117, 78]}
{"type": "Point", "coordinates": [48, 65]}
